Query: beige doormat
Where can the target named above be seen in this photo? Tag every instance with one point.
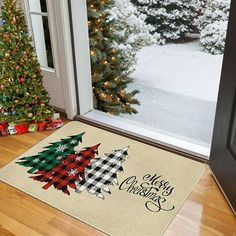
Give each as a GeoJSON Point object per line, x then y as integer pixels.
{"type": "Point", "coordinates": [115, 184]}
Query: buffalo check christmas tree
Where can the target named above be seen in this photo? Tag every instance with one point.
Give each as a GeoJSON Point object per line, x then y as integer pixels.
{"type": "Point", "coordinates": [102, 173]}
{"type": "Point", "coordinates": [61, 166]}
{"type": "Point", "coordinates": [52, 156]}
{"type": "Point", "coordinates": [71, 169]}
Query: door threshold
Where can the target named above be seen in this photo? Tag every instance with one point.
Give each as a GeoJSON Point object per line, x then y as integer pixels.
{"type": "Point", "coordinates": [145, 134]}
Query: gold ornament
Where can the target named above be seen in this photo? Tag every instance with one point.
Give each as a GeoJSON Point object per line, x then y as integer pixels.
{"type": "Point", "coordinates": [114, 51]}
{"type": "Point", "coordinates": [13, 20]}
{"type": "Point", "coordinates": [30, 115]}
{"type": "Point", "coordinates": [7, 54]}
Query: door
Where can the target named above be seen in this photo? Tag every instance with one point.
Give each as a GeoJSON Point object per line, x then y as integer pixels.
{"type": "Point", "coordinates": [223, 152]}
{"type": "Point", "coordinates": [43, 22]}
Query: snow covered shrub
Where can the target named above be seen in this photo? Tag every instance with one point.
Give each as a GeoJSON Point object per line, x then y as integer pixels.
{"type": "Point", "coordinates": [215, 10]}
{"type": "Point", "coordinates": [131, 29]}
{"type": "Point", "coordinates": [213, 37]}
{"type": "Point", "coordinates": [213, 25]}
{"type": "Point", "coordinates": [172, 19]}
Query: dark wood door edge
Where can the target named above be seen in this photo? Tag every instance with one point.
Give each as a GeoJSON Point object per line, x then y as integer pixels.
{"type": "Point", "coordinates": [221, 189]}
{"type": "Point", "coordinates": [140, 138]}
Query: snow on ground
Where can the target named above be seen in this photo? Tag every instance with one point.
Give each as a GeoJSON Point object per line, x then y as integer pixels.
{"type": "Point", "coordinates": [178, 86]}
{"type": "Point", "coordinates": [181, 68]}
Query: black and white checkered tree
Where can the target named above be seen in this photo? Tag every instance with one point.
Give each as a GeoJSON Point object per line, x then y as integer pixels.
{"type": "Point", "coordinates": [52, 156]}
{"type": "Point", "coordinates": [102, 172]}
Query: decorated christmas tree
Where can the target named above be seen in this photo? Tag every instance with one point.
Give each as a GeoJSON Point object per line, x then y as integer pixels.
{"type": "Point", "coordinates": [172, 19]}
{"type": "Point", "coordinates": [22, 95]}
{"type": "Point", "coordinates": [69, 170]}
{"type": "Point", "coordinates": [110, 69]}
{"type": "Point", "coordinates": [102, 173]}
{"type": "Point", "coordinates": [52, 156]}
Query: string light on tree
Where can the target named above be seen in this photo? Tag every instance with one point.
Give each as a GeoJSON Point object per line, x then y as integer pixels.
{"type": "Point", "coordinates": [110, 75]}
{"type": "Point", "coordinates": [20, 77]}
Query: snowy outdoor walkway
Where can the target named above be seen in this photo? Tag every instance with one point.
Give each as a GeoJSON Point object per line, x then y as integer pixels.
{"type": "Point", "coordinates": [178, 90]}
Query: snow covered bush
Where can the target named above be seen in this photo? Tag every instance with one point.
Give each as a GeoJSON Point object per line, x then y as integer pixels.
{"type": "Point", "coordinates": [213, 25]}
{"type": "Point", "coordinates": [172, 19]}
{"type": "Point", "coordinates": [131, 30]}
{"type": "Point", "coordinates": [213, 37]}
{"type": "Point", "coordinates": [215, 10]}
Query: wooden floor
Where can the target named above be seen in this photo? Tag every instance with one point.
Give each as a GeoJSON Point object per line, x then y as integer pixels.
{"type": "Point", "coordinates": [204, 213]}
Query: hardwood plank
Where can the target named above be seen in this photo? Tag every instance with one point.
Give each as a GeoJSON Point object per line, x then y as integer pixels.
{"type": "Point", "coordinates": [4, 232]}
{"type": "Point", "coordinates": [16, 227]}
{"type": "Point", "coordinates": [204, 213]}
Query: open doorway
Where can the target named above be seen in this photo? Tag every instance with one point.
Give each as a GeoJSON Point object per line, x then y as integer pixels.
{"type": "Point", "coordinates": [175, 51]}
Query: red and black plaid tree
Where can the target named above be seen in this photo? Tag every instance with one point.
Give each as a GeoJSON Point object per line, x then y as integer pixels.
{"type": "Point", "coordinates": [71, 169]}
{"type": "Point", "coordinates": [52, 156]}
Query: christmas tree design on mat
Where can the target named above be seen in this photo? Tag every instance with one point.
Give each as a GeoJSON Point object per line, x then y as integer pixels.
{"type": "Point", "coordinates": [60, 166]}
{"type": "Point", "coordinates": [52, 156]}
{"type": "Point", "coordinates": [102, 172]}
{"type": "Point", "coordinates": [70, 169]}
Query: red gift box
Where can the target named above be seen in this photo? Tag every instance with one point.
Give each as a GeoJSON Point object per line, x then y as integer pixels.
{"type": "Point", "coordinates": [3, 129]}
{"type": "Point", "coordinates": [3, 125]}
{"type": "Point", "coordinates": [54, 124]}
{"type": "Point", "coordinates": [41, 125]}
{"type": "Point", "coordinates": [21, 128]}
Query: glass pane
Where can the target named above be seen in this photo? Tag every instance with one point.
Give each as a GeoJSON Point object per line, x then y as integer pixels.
{"type": "Point", "coordinates": [38, 6]}
{"type": "Point", "coordinates": [42, 40]}
{"type": "Point", "coordinates": [43, 6]}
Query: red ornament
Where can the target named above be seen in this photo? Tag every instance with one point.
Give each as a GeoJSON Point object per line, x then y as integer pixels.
{"type": "Point", "coordinates": [22, 80]}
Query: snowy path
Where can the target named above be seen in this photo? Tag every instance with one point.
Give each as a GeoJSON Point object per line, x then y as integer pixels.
{"type": "Point", "coordinates": [178, 88]}
{"type": "Point", "coordinates": [181, 116]}
{"type": "Point", "coordinates": [181, 68]}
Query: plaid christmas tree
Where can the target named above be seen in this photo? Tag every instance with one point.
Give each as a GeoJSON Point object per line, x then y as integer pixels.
{"type": "Point", "coordinates": [52, 156]}
{"type": "Point", "coordinates": [70, 169]}
{"type": "Point", "coordinates": [102, 172]}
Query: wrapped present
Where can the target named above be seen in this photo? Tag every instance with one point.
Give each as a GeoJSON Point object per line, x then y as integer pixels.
{"type": "Point", "coordinates": [59, 123]}
{"type": "Point", "coordinates": [54, 124]}
{"type": "Point", "coordinates": [3, 129]}
{"type": "Point", "coordinates": [41, 125]}
{"type": "Point", "coordinates": [21, 128]}
{"type": "Point", "coordinates": [11, 129]}
{"type": "Point", "coordinates": [3, 125]}
{"type": "Point", "coordinates": [33, 127]}
{"type": "Point", "coordinates": [56, 115]}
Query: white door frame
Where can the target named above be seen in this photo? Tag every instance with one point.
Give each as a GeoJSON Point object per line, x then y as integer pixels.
{"type": "Point", "coordinates": [86, 111]}
{"type": "Point", "coordinates": [82, 55]}
{"type": "Point", "coordinates": [79, 35]}
{"type": "Point", "coordinates": [59, 21]}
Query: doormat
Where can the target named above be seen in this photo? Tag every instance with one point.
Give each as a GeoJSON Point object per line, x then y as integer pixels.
{"type": "Point", "coordinates": [115, 184]}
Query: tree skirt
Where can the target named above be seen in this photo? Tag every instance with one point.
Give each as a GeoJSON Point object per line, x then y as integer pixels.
{"type": "Point", "coordinates": [115, 184]}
